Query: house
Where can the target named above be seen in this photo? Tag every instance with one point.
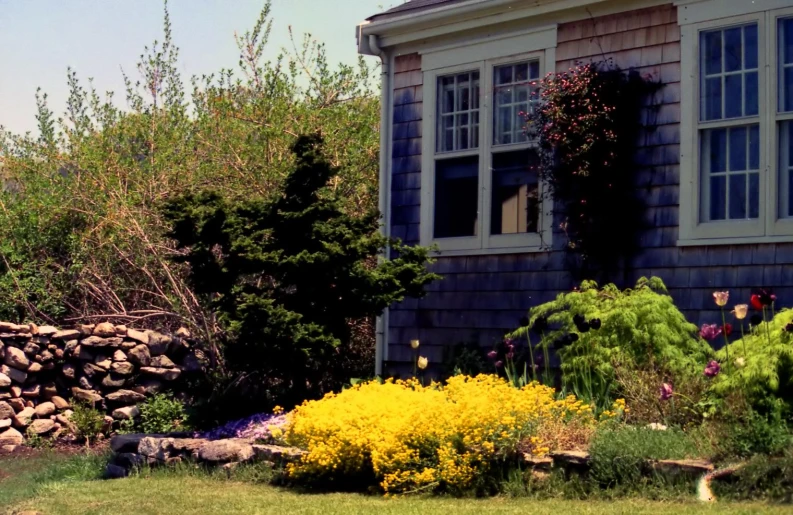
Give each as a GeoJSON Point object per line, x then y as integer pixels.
{"type": "Point", "coordinates": [716, 161]}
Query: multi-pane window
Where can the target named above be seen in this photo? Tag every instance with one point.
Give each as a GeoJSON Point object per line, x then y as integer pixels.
{"type": "Point", "coordinates": [785, 115]}
{"type": "Point", "coordinates": [729, 90]}
{"type": "Point", "coordinates": [485, 189]}
{"type": "Point", "coordinates": [458, 116]}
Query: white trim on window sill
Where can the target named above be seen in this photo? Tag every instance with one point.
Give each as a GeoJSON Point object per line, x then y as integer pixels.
{"type": "Point", "coordinates": [707, 242]}
{"type": "Point", "coordinates": [490, 252]}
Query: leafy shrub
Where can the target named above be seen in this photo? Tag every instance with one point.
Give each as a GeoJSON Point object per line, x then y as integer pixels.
{"type": "Point", "coordinates": [405, 436]}
{"type": "Point", "coordinates": [161, 413]}
{"type": "Point", "coordinates": [762, 363]}
{"type": "Point", "coordinates": [620, 455]}
{"type": "Point", "coordinates": [748, 432]}
{"type": "Point", "coordinates": [639, 327]}
{"type": "Point", "coordinates": [285, 277]}
{"type": "Point", "coordinates": [88, 421]}
{"type": "Point", "coordinates": [762, 478]}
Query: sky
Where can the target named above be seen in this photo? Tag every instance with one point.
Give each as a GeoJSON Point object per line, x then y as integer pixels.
{"type": "Point", "coordinates": [39, 39]}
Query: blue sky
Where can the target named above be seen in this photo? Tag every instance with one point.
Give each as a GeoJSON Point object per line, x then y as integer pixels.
{"type": "Point", "coordinates": [39, 39]}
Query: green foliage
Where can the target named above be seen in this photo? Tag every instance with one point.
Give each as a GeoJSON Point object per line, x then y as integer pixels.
{"type": "Point", "coordinates": [88, 421]}
{"type": "Point", "coordinates": [161, 413]}
{"type": "Point", "coordinates": [81, 232]}
{"type": "Point", "coordinates": [762, 478]}
{"type": "Point", "coordinates": [465, 358]}
{"type": "Point", "coordinates": [745, 434]}
{"type": "Point", "coordinates": [641, 327]}
{"type": "Point", "coordinates": [286, 275]}
{"type": "Point", "coordinates": [765, 356]}
{"type": "Point", "coordinates": [620, 455]}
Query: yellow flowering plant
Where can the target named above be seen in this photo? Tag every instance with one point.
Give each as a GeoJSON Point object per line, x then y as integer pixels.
{"type": "Point", "coordinates": [408, 437]}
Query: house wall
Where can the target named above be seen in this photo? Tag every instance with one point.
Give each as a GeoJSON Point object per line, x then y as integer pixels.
{"type": "Point", "coordinates": [482, 297]}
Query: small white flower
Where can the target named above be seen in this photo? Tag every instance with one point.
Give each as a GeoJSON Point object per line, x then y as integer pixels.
{"type": "Point", "coordinates": [657, 427]}
{"type": "Point", "coordinates": [740, 362]}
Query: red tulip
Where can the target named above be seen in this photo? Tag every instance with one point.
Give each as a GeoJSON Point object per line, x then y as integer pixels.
{"type": "Point", "coordinates": [727, 329]}
{"type": "Point", "coordinates": [755, 301]}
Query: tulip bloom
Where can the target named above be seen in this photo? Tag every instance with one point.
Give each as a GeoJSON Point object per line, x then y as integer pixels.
{"type": "Point", "coordinates": [414, 344]}
{"type": "Point", "coordinates": [492, 354]}
{"type": "Point", "coordinates": [740, 311]}
{"type": "Point", "coordinates": [755, 301]}
{"type": "Point", "coordinates": [665, 392]}
{"type": "Point", "coordinates": [721, 297]}
{"type": "Point", "coordinates": [423, 362]}
{"type": "Point", "coordinates": [713, 369]}
{"type": "Point", "coordinates": [710, 331]}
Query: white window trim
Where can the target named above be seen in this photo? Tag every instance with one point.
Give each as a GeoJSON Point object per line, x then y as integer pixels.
{"type": "Point", "coordinates": [534, 44]}
{"type": "Point", "coordinates": [694, 17]}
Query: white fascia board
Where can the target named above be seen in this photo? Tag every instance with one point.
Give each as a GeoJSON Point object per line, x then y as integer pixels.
{"type": "Point", "coordinates": [458, 17]}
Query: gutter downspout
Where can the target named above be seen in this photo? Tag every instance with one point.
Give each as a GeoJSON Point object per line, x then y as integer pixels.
{"type": "Point", "coordinates": [381, 331]}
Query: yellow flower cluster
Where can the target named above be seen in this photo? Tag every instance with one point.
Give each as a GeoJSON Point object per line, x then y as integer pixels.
{"type": "Point", "coordinates": [418, 437]}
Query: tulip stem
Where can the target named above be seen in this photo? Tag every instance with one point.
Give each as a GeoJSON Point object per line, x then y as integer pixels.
{"type": "Point", "coordinates": [767, 331]}
{"type": "Point", "coordinates": [531, 356]}
{"type": "Point", "coordinates": [726, 340]}
{"type": "Point", "coordinates": [545, 358]}
{"type": "Point", "coordinates": [743, 341]}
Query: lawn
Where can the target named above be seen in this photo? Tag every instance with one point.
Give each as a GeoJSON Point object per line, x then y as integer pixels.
{"type": "Point", "coordinates": [52, 484]}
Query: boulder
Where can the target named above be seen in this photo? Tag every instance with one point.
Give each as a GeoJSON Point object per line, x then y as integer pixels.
{"type": "Point", "coordinates": [123, 368]}
{"type": "Point", "coordinates": [31, 348]}
{"type": "Point", "coordinates": [104, 329]}
{"type": "Point", "coordinates": [128, 460]}
{"type": "Point", "coordinates": [70, 346]}
{"type": "Point", "coordinates": [158, 343]}
{"type": "Point", "coordinates": [34, 368]}
{"type": "Point", "coordinates": [42, 426]}
{"type": "Point", "coordinates": [140, 356]}
{"type": "Point", "coordinates": [15, 358]}
{"type": "Point", "coordinates": [5, 381]}
{"type": "Point", "coordinates": [6, 411]}
{"type": "Point", "coordinates": [115, 471]}
{"type": "Point", "coordinates": [11, 437]}
{"type": "Point", "coordinates": [125, 397]}
{"type": "Point", "coordinates": [119, 355]}
{"type": "Point", "coordinates": [85, 383]}
{"type": "Point", "coordinates": [138, 336]}
{"type": "Point", "coordinates": [95, 341]}
{"type": "Point", "coordinates": [113, 381]}
{"type": "Point", "coordinates": [121, 330]}
{"type": "Point", "coordinates": [69, 371]}
{"type": "Point", "coordinates": [67, 334]}
{"type": "Point", "coordinates": [45, 409]}
{"type": "Point", "coordinates": [183, 332]}
{"type": "Point", "coordinates": [86, 395]}
{"type": "Point", "coordinates": [17, 376]}
{"type": "Point", "coordinates": [91, 370]}
{"type": "Point", "coordinates": [31, 392]}
{"type": "Point", "coordinates": [127, 412]}
{"type": "Point", "coordinates": [104, 364]}
{"type": "Point", "coordinates": [17, 404]}
{"type": "Point", "coordinates": [60, 403]}
{"type": "Point", "coordinates": [46, 356]}
{"type": "Point", "coordinates": [153, 447]}
{"type": "Point", "coordinates": [86, 329]}
{"type": "Point", "coordinates": [166, 374]}
{"type": "Point", "coordinates": [126, 443]}
{"type": "Point", "coordinates": [162, 362]}
{"type": "Point", "coordinates": [224, 451]}
{"type": "Point", "coordinates": [23, 418]}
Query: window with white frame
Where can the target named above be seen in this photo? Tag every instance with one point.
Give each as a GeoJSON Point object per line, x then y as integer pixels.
{"type": "Point", "coordinates": [481, 186]}
{"type": "Point", "coordinates": [736, 142]}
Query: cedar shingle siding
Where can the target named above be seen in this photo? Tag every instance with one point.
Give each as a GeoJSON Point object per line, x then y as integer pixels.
{"type": "Point", "coordinates": [482, 297]}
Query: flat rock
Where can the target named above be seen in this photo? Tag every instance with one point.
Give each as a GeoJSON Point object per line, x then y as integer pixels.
{"type": "Point", "coordinates": [277, 453]}
{"type": "Point", "coordinates": [11, 437]}
{"type": "Point", "coordinates": [16, 358]}
{"type": "Point", "coordinates": [34, 368]}
{"type": "Point", "coordinates": [18, 404]}
{"type": "Point", "coordinates": [544, 463]}
{"type": "Point", "coordinates": [60, 403]}
{"type": "Point", "coordinates": [125, 413]}
{"type": "Point", "coordinates": [69, 371]}
{"type": "Point", "coordinates": [31, 349]}
{"type": "Point", "coordinates": [119, 355]}
{"type": "Point", "coordinates": [224, 451]}
{"type": "Point", "coordinates": [5, 423]}
{"type": "Point", "coordinates": [104, 364]}
{"type": "Point", "coordinates": [104, 329]}
{"type": "Point", "coordinates": [140, 355]}
{"type": "Point", "coordinates": [85, 383]}
{"type": "Point", "coordinates": [67, 334]}
{"type": "Point", "coordinates": [45, 409]}
{"type": "Point", "coordinates": [138, 336]}
{"type": "Point", "coordinates": [31, 392]}
{"type": "Point", "coordinates": [126, 443]}
{"type": "Point", "coordinates": [113, 381]}
{"type": "Point", "coordinates": [96, 341]}
{"type": "Point", "coordinates": [17, 376]}
{"type": "Point", "coordinates": [48, 391]}
{"type": "Point", "coordinates": [578, 458]}
{"type": "Point", "coordinates": [14, 328]}
{"type": "Point", "coordinates": [167, 374]}
{"type": "Point", "coordinates": [162, 362]}
{"type": "Point", "coordinates": [686, 466]}
{"type": "Point", "coordinates": [86, 395]}
{"type": "Point", "coordinates": [125, 397]}
{"type": "Point", "coordinates": [42, 426]}
{"type": "Point", "coordinates": [47, 330]}
{"type": "Point", "coordinates": [5, 381]}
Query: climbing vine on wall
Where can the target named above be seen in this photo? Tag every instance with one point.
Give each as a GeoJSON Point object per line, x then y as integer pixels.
{"type": "Point", "coordinates": [588, 124]}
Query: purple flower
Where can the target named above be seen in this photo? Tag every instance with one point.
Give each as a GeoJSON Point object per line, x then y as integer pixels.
{"type": "Point", "coordinates": [499, 364]}
{"type": "Point", "coordinates": [665, 392]}
{"type": "Point", "coordinates": [510, 355]}
{"type": "Point", "coordinates": [257, 426]}
{"type": "Point", "coordinates": [713, 369]}
{"type": "Point", "coordinates": [492, 354]}
{"type": "Point", "coordinates": [710, 331]}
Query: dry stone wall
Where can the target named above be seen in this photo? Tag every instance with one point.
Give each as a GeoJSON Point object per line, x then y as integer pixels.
{"type": "Point", "coordinates": [44, 370]}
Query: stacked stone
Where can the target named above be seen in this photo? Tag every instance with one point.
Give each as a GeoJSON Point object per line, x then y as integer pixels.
{"type": "Point", "coordinates": [44, 369]}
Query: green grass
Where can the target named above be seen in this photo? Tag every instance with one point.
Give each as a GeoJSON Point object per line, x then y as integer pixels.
{"type": "Point", "coordinates": [186, 494]}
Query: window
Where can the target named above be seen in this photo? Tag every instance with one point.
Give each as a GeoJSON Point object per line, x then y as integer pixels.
{"type": "Point", "coordinates": [480, 181]}
{"type": "Point", "coordinates": [736, 144]}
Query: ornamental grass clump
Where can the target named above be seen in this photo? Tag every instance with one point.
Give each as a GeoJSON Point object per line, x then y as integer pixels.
{"type": "Point", "coordinates": [407, 437]}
